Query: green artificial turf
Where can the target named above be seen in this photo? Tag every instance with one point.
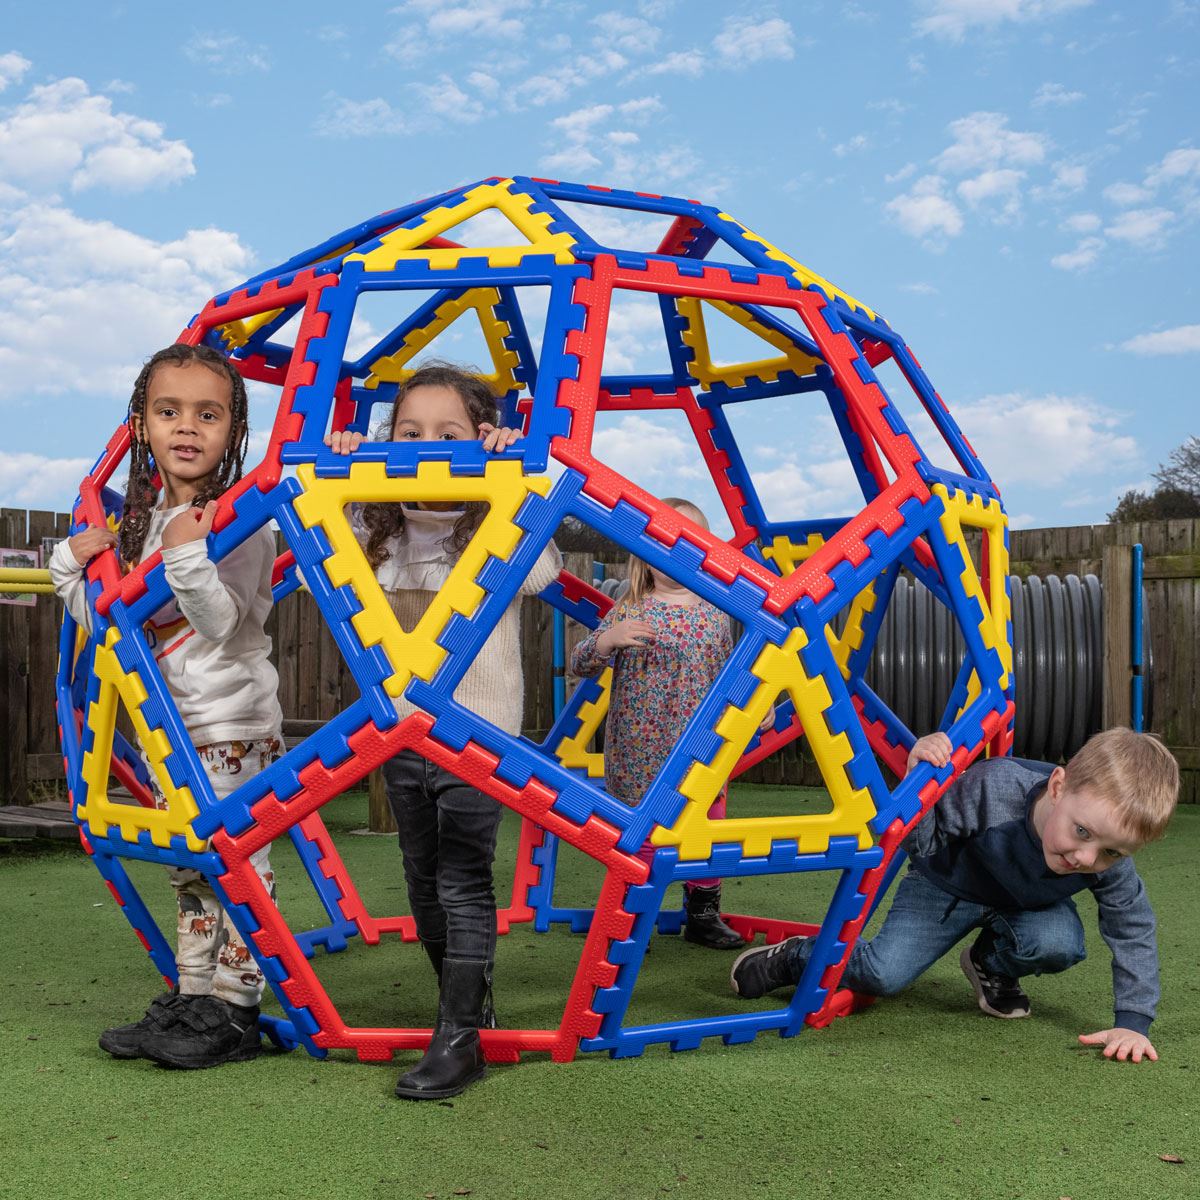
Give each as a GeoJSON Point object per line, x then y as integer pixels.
{"type": "Point", "coordinates": [920, 1095]}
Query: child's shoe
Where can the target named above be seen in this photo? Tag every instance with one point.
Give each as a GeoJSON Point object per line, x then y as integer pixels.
{"type": "Point", "coordinates": [126, 1041]}
{"type": "Point", "coordinates": [765, 968]}
{"type": "Point", "coordinates": [998, 995]}
{"type": "Point", "coordinates": [207, 1032]}
{"type": "Point", "coordinates": [454, 1059]}
{"type": "Point", "coordinates": [704, 925]}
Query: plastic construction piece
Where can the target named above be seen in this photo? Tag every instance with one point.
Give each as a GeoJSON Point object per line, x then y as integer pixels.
{"type": "Point", "coordinates": [510, 256]}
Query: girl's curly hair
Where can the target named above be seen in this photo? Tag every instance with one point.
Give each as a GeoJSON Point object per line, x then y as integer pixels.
{"type": "Point", "coordinates": [385, 521]}
{"type": "Point", "coordinates": [141, 492]}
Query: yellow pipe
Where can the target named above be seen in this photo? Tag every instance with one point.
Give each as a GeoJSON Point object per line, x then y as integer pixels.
{"type": "Point", "coordinates": [33, 575]}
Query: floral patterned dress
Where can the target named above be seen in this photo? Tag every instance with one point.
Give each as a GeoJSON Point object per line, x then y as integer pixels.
{"type": "Point", "coordinates": [656, 689]}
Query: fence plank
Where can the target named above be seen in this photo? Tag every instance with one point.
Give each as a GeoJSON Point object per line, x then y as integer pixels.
{"type": "Point", "coordinates": [1117, 576]}
{"type": "Point", "coordinates": [14, 674]}
{"type": "Point", "coordinates": [45, 619]}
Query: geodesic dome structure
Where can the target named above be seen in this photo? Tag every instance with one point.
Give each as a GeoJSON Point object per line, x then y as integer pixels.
{"type": "Point", "coordinates": [809, 593]}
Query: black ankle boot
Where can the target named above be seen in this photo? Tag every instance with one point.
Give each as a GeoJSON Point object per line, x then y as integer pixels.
{"type": "Point", "coordinates": [454, 1059]}
{"type": "Point", "coordinates": [704, 925]}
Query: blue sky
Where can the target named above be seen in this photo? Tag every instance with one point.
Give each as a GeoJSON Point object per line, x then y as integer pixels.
{"type": "Point", "coordinates": [1013, 184]}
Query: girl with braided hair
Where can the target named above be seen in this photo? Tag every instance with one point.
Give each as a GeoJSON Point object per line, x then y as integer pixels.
{"type": "Point", "coordinates": [188, 427]}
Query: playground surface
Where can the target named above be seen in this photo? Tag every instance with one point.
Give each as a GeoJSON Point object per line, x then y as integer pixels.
{"type": "Point", "coordinates": [919, 1095]}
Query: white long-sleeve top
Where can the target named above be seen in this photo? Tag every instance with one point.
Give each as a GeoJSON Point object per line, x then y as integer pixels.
{"type": "Point", "coordinates": [417, 565]}
{"type": "Point", "coordinates": [209, 642]}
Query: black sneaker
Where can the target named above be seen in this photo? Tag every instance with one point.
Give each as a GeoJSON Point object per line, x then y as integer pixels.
{"type": "Point", "coordinates": [998, 995]}
{"type": "Point", "coordinates": [126, 1041]}
{"type": "Point", "coordinates": [207, 1032]}
{"type": "Point", "coordinates": [765, 968]}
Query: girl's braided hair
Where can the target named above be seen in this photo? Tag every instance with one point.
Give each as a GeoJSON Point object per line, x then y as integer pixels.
{"type": "Point", "coordinates": [384, 521]}
{"type": "Point", "coordinates": [141, 493]}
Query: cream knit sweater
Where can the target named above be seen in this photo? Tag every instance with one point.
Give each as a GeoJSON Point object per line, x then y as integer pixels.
{"type": "Point", "coordinates": [416, 567]}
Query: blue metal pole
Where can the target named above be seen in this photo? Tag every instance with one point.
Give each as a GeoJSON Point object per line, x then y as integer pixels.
{"type": "Point", "coordinates": [1137, 679]}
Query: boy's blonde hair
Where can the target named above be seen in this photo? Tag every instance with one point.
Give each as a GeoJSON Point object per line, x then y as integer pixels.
{"type": "Point", "coordinates": [641, 582]}
{"type": "Point", "coordinates": [1135, 773]}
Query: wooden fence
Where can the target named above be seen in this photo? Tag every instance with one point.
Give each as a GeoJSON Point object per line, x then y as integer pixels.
{"type": "Point", "coordinates": [315, 684]}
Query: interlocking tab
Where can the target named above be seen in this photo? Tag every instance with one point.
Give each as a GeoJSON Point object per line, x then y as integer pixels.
{"type": "Point", "coordinates": [533, 265]}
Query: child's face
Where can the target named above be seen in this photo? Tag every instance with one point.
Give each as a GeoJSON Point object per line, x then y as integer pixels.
{"type": "Point", "coordinates": [1081, 833]}
{"type": "Point", "coordinates": [664, 583]}
{"type": "Point", "coordinates": [433, 413]}
{"type": "Point", "coordinates": [187, 423]}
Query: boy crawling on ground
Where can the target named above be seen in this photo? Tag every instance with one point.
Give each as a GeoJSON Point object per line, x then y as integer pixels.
{"type": "Point", "coordinates": [1002, 852]}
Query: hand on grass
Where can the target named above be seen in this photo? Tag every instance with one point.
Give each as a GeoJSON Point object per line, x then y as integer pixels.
{"type": "Point", "coordinates": [1122, 1044]}
{"type": "Point", "coordinates": [933, 748]}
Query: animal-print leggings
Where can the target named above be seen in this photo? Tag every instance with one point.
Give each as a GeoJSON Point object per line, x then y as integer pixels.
{"type": "Point", "coordinates": [209, 952]}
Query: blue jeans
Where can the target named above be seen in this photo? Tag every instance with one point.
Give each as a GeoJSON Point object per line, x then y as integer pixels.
{"type": "Point", "coordinates": [447, 841]}
{"type": "Point", "coordinates": [924, 922]}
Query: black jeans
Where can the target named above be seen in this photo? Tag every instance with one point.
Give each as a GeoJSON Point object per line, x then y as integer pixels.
{"type": "Point", "coordinates": [448, 841]}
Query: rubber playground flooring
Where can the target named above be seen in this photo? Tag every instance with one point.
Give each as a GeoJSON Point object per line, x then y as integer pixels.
{"type": "Point", "coordinates": [920, 1095]}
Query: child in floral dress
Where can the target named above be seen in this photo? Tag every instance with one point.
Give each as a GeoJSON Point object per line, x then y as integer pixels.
{"type": "Point", "coordinates": [667, 646]}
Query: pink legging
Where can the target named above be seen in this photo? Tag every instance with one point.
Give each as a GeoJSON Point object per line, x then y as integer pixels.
{"type": "Point", "coordinates": [715, 813]}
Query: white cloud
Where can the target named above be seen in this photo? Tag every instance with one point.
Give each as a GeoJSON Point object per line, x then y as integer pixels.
{"type": "Point", "coordinates": [444, 98]}
{"type": "Point", "coordinates": [919, 288]}
{"type": "Point", "coordinates": [12, 68]}
{"type": "Point", "coordinates": [475, 18]}
{"type": "Point", "coordinates": [1068, 178]}
{"type": "Point", "coordinates": [951, 20]}
{"type": "Point", "coordinates": [35, 481]}
{"type": "Point", "coordinates": [557, 83]}
{"type": "Point", "coordinates": [82, 301]}
{"type": "Point", "coordinates": [1145, 228]}
{"type": "Point", "coordinates": [1044, 439]}
{"type": "Point", "coordinates": [635, 335]}
{"type": "Point", "coordinates": [858, 142]}
{"type": "Point", "coordinates": [1177, 165]}
{"type": "Point", "coordinates": [679, 62]}
{"type": "Point", "coordinates": [63, 134]}
{"type": "Point", "coordinates": [982, 141]}
{"type": "Point", "coordinates": [227, 54]}
{"type": "Point", "coordinates": [1082, 257]}
{"type": "Point", "coordinates": [630, 34]}
{"type": "Point", "coordinates": [1083, 222]}
{"type": "Point", "coordinates": [1056, 94]}
{"type": "Point", "coordinates": [571, 160]}
{"type": "Point", "coordinates": [924, 211]}
{"type": "Point", "coordinates": [999, 191]}
{"type": "Point", "coordinates": [485, 84]}
{"type": "Point", "coordinates": [649, 452]}
{"type": "Point", "coordinates": [1125, 194]}
{"type": "Point", "coordinates": [795, 491]}
{"type": "Point", "coordinates": [1183, 339]}
{"type": "Point", "coordinates": [359, 118]}
{"type": "Point", "coordinates": [586, 139]}
{"type": "Point", "coordinates": [580, 123]}
{"type": "Point", "coordinates": [902, 174]}
{"type": "Point", "coordinates": [744, 41]}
